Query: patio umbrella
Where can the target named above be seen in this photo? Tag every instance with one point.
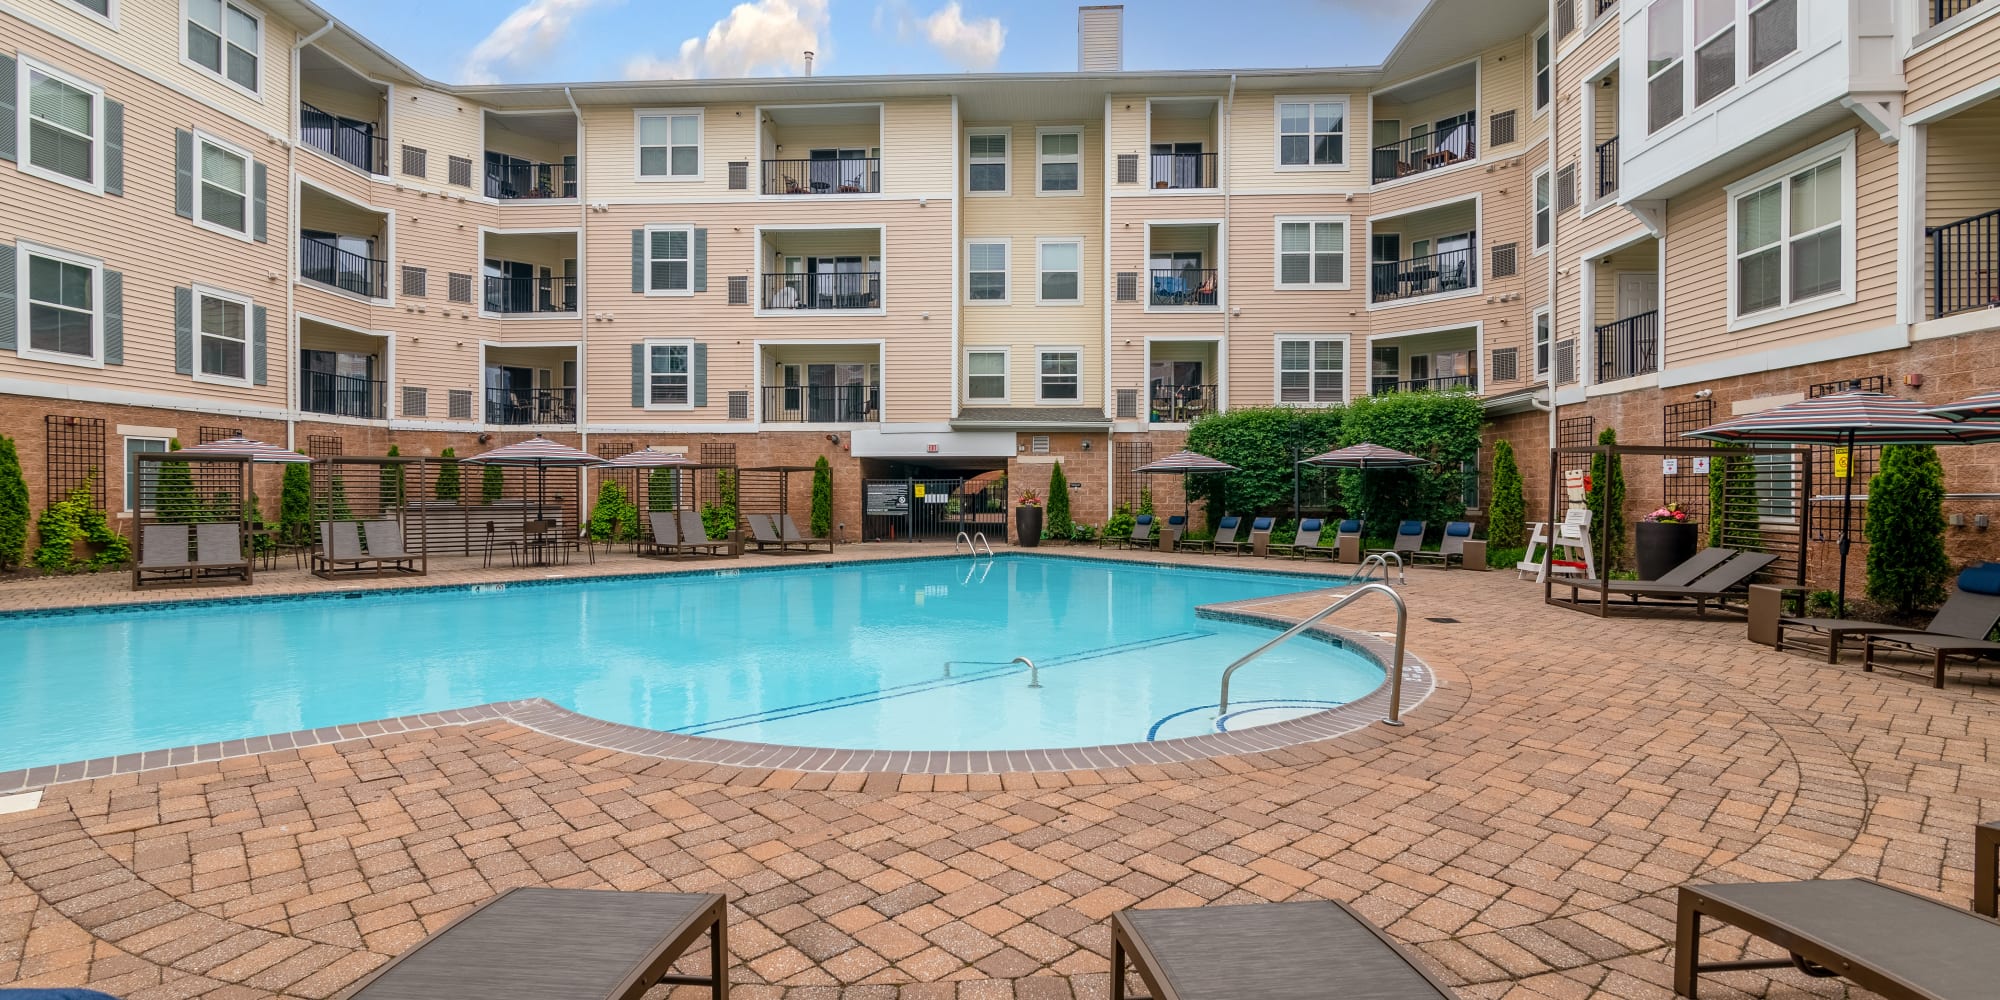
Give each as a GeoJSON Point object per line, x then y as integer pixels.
{"type": "Point", "coordinates": [1984, 407]}
{"type": "Point", "coordinates": [1187, 463]}
{"type": "Point", "coordinates": [648, 458]}
{"type": "Point", "coordinates": [255, 451]}
{"type": "Point", "coordinates": [1846, 419]}
{"type": "Point", "coordinates": [540, 454]}
{"type": "Point", "coordinates": [1363, 457]}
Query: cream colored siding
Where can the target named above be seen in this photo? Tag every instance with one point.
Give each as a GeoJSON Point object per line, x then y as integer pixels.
{"type": "Point", "coordinates": [1253, 147]}
{"type": "Point", "coordinates": [442, 125]}
{"type": "Point", "coordinates": [1960, 62]}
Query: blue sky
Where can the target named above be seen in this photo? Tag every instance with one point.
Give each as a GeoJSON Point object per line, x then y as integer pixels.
{"type": "Point", "coordinates": [540, 40]}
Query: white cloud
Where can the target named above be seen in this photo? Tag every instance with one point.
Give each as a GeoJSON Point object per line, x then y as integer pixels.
{"type": "Point", "coordinates": [533, 31]}
{"type": "Point", "coordinates": [759, 37]}
{"type": "Point", "coordinates": [970, 44]}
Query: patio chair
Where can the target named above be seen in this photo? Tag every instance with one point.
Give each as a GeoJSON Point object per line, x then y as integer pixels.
{"type": "Point", "coordinates": [578, 944]}
{"type": "Point", "coordinates": [1886, 940]}
{"type": "Point", "coordinates": [789, 531]}
{"type": "Point", "coordinates": [694, 536]}
{"type": "Point", "coordinates": [666, 534]}
{"type": "Point", "coordinates": [1262, 951]}
{"type": "Point", "coordinates": [1225, 534]}
{"type": "Point", "coordinates": [1451, 549]}
{"type": "Point", "coordinates": [1346, 537]}
{"type": "Point", "coordinates": [219, 553]}
{"type": "Point", "coordinates": [385, 544]}
{"type": "Point", "coordinates": [1984, 584]}
{"type": "Point", "coordinates": [1531, 557]}
{"type": "Point", "coordinates": [1970, 613]}
{"type": "Point", "coordinates": [1306, 543]}
{"type": "Point", "coordinates": [763, 533]}
{"type": "Point", "coordinates": [163, 551]}
{"type": "Point", "coordinates": [1572, 545]}
{"type": "Point", "coordinates": [1409, 538]}
{"type": "Point", "coordinates": [1727, 577]}
{"type": "Point", "coordinates": [1260, 531]}
{"type": "Point", "coordinates": [1142, 533]}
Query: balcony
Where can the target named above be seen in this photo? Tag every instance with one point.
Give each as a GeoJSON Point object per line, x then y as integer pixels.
{"type": "Point", "coordinates": [1607, 167]}
{"type": "Point", "coordinates": [823, 404]}
{"type": "Point", "coordinates": [807, 272]}
{"type": "Point", "coordinates": [528, 274]}
{"type": "Point", "coordinates": [327, 262]}
{"type": "Point", "coordinates": [1384, 385]}
{"type": "Point", "coordinates": [513, 407]}
{"type": "Point", "coordinates": [1184, 171]}
{"type": "Point", "coordinates": [1628, 348]}
{"type": "Point", "coordinates": [1424, 362]}
{"type": "Point", "coordinates": [514, 179]}
{"type": "Point", "coordinates": [1183, 137]}
{"type": "Point", "coordinates": [1182, 382]}
{"type": "Point", "coordinates": [342, 244]}
{"type": "Point", "coordinates": [1431, 274]}
{"type": "Point", "coordinates": [1944, 10]}
{"type": "Point", "coordinates": [807, 383]}
{"type": "Point", "coordinates": [341, 372]}
{"type": "Point", "coordinates": [1425, 253]}
{"type": "Point", "coordinates": [1965, 264]}
{"type": "Point", "coordinates": [823, 291]}
{"type": "Point", "coordinates": [1425, 124]}
{"type": "Point", "coordinates": [1183, 267]}
{"type": "Point", "coordinates": [341, 395]}
{"type": "Point", "coordinates": [1185, 287]}
{"type": "Point", "coordinates": [530, 385]}
{"type": "Point", "coordinates": [819, 150]}
{"type": "Point", "coordinates": [1455, 140]}
{"type": "Point", "coordinates": [349, 140]}
{"type": "Point", "coordinates": [524, 295]}
{"type": "Point", "coordinates": [341, 113]}
{"type": "Point", "coordinates": [530, 155]}
{"type": "Point", "coordinates": [821, 176]}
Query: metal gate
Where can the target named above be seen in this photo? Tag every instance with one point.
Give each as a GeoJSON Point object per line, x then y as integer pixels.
{"type": "Point", "coordinates": [931, 510]}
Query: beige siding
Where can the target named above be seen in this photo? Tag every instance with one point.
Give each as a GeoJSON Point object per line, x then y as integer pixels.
{"type": "Point", "coordinates": [1962, 178]}
{"type": "Point", "coordinates": [1962, 61]}
{"type": "Point", "coordinates": [443, 125]}
{"type": "Point", "coordinates": [1253, 148]}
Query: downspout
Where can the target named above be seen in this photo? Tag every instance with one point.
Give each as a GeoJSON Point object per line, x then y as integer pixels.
{"type": "Point", "coordinates": [1107, 290]}
{"type": "Point", "coordinates": [582, 312]}
{"type": "Point", "coordinates": [1222, 165]}
{"type": "Point", "coordinates": [1555, 217]}
{"type": "Point", "coordinates": [292, 245]}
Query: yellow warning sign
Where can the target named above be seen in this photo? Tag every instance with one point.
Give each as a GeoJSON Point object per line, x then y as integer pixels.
{"type": "Point", "coordinates": [1840, 463]}
{"type": "Point", "coordinates": [920, 490]}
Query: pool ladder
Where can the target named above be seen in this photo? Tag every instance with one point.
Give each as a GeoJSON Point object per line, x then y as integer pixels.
{"type": "Point", "coordinates": [972, 543]}
{"type": "Point", "coordinates": [1381, 559]}
{"type": "Point", "coordinates": [1395, 671]}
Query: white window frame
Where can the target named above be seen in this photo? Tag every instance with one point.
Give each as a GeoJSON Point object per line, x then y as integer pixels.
{"type": "Point", "coordinates": [26, 64]}
{"type": "Point", "coordinates": [1542, 346]}
{"type": "Point", "coordinates": [700, 145]}
{"type": "Point", "coordinates": [1312, 357]}
{"type": "Point", "coordinates": [1737, 28]}
{"type": "Point", "coordinates": [23, 331]}
{"type": "Point", "coordinates": [1006, 375]}
{"type": "Point", "coordinates": [132, 467]}
{"type": "Point", "coordinates": [1041, 380]}
{"type": "Point", "coordinates": [1543, 39]}
{"type": "Point", "coordinates": [1680, 59]}
{"type": "Point", "coordinates": [1536, 208]}
{"type": "Point", "coordinates": [1312, 224]}
{"type": "Point", "coordinates": [1006, 244]}
{"type": "Point", "coordinates": [1042, 158]}
{"type": "Point", "coordinates": [1041, 268]}
{"type": "Point", "coordinates": [222, 72]}
{"type": "Point", "coordinates": [1278, 135]}
{"type": "Point", "coordinates": [109, 18]}
{"type": "Point", "coordinates": [249, 335]}
{"type": "Point", "coordinates": [680, 342]}
{"type": "Point", "coordinates": [1006, 163]}
{"type": "Point", "coordinates": [652, 292]}
{"type": "Point", "coordinates": [1841, 147]}
{"type": "Point", "coordinates": [248, 233]}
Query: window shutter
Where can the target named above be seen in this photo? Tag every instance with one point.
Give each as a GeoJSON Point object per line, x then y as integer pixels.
{"type": "Point", "coordinates": [638, 376]}
{"type": "Point", "coordinates": [1506, 262]}
{"type": "Point", "coordinates": [739, 404]}
{"type": "Point", "coordinates": [184, 331]}
{"type": "Point", "coordinates": [1128, 286]}
{"type": "Point", "coordinates": [739, 175]}
{"type": "Point", "coordinates": [638, 262]}
{"type": "Point", "coordinates": [458, 404]}
{"type": "Point", "coordinates": [700, 392]}
{"type": "Point", "coordinates": [114, 146]}
{"type": "Point", "coordinates": [739, 289]}
{"type": "Point", "coordinates": [416, 401]}
{"type": "Point", "coordinates": [8, 338]}
{"type": "Point", "coordinates": [414, 161]}
{"type": "Point", "coordinates": [700, 265]}
{"type": "Point", "coordinates": [260, 203]}
{"type": "Point", "coordinates": [1128, 404]}
{"type": "Point", "coordinates": [1501, 131]}
{"type": "Point", "coordinates": [114, 317]}
{"type": "Point", "coordinates": [260, 346]}
{"type": "Point", "coordinates": [459, 170]}
{"type": "Point", "coordinates": [8, 81]}
{"type": "Point", "coordinates": [1566, 188]}
{"type": "Point", "coordinates": [1128, 168]}
{"type": "Point", "coordinates": [184, 173]}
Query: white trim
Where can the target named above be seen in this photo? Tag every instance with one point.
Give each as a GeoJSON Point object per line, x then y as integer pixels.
{"type": "Point", "coordinates": [222, 41]}
{"type": "Point", "coordinates": [1221, 273]}
{"type": "Point", "coordinates": [1006, 162]}
{"type": "Point", "coordinates": [88, 392]}
{"type": "Point", "coordinates": [1839, 147]}
{"type": "Point", "coordinates": [1546, 31]}
{"type": "Point", "coordinates": [389, 280]}
{"type": "Point", "coordinates": [1535, 317]}
{"type": "Point", "coordinates": [646, 261]}
{"type": "Point", "coordinates": [25, 64]}
{"type": "Point", "coordinates": [880, 257]}
{"type": "Point", "coordinates": [1948, 27]}
{"type": "Point", "coordinates": [1040, 270]}
{"type": "Point", "coordinates": [249, 231]}
{"type": "Point", "coordinates": [1041, 159]}
{"type": "Point", "coordinates": [1219, 342]}
{"type": "Point", "coordinates": [1312, 223]}
{"type": "Point", "coordinates": [109, 18]}
{"type": "Point", "coordinates": [1912, 192]}
{"type": "Point", "coordinates": [756, 184]}
{"type": "Point", "coordinates": [1478, 357]}
{"type": "Point", "coordinates": [1789, 355]}
{"type": "Point", "coordinates": [1042, 352]}
{"type": "Point", "coordinates": [1006, 375]}
{"type": "Point", "coordinates": [1007, 242]}
{"type": "Point", "coordinates": [650, 343]}
{"type": "Point", "coordinates": [125, 460]}
{"type": "Point", "coordinates": [1278, 164]}
{"type": "Point", "coordinates": [700, 146]}
{"type": "Point", "coordinates": [576, 232]}
{"type": "Point", "coordinates": [195, 332]}
{"type": "Point", "coordinates": [1588, 199]}
{"type": "Point", "coordinates": [758, 347]}
{"type": "Point", "coordinates": [1535, 245]}
{"type": "Point", "coordinates": [23, 249]}
{"type": "Point", "coordinates": [1146, 157]}
{"type": "Point", "coordinates": [1278, 341]}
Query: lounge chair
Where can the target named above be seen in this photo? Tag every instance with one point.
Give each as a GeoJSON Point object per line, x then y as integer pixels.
{"type": "Point", "coordinates": [1727, 577]}
{"type": "Point", "coordinates": [1265, 950]}
{"type": "Point", "coordinates": [578, 944]}
{"type": "Point", "coordinates": [219, 554]}
{"type": "Point", "coordinates": [694, 536]}
{"type": "Point", "coordinates": [1170, 534]}
{"type": "Point", "coordinates": [1409, 538]}
{"type": "Point", "coordinates": [1225, 534]}
{"type": "Point", "coordinates": [763, 533]}
{"type": "Point", "coordinates": [163, 551]}
{"type": "Point", "coordinates": [1260, 531]}
{"type": "Point", "coordinates": [789, 531]}
{"type": "Point", "coordinates": [1306, 543]}
{"type": "Point", "coordinates": [1891, 942]}
{"type": "Point", "coordinates": [1967, 614]}
{"type": "Point", "coordinates": [340, 552]}
{"type": "Point", "coordinates": [385, 544]}
{"type": "Point", "coordinates": [1451, 549]}
{"type": "Point", "coordinates": [666, 534]}
{"type": "Point", "coordinates": [1986, 869]}
{"type": "Point", "coordinates": [1142, 533]}
{"type": "Point", "coordinates": [1941, 649]}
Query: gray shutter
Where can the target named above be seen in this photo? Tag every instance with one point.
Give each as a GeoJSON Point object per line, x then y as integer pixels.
{"type": "Point", "coordinates": [701, 260]}
{"type": "Point", "coordinates": [184, 173]}
{"type": "Point", "coordinates": [259, 346]}
{"type": "Point", "coordinates": [700, 373]}
{"type": "Point", "coordinates": [7, 106]}
{"type": "Point", "coordinates": [184, 330]}
{"type": "Point", "coordinates": [638, 262]}
{"type": "Point", "coordinates": [638, 376]}
{"type": "Point", "coordinates": [7, 318]}
{"type": "Point", "coordinates": [114, 317]}
{"type": "Point", "coordinates": [260, 203]}
{"type": "Point", "coordinates": [114, 147]}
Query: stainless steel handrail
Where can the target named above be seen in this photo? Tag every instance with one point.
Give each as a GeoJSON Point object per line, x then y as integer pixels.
{"type": "Point", "coordinates": [1396, 667]}
{"type": "Point", "coordinates": [1382, 559]}
{"type": "Point", "coordinates": [972, 543]}
{"type": "Point", "coordinates": [1034, 672]}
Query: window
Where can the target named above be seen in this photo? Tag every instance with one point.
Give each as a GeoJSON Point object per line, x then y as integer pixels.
{"type": "Point", "coordinates": [1777, 478]}
{"type": "Point", "coordinates": [1715, 48]}
{"type": "Point", "coordinates": [1312, 253]}
{"type": "Point", "coordinates": [986, 376]}
{"type": "Point", "coordinates": [60, 310]}
{"type": "Point", "coordinates": [669, 374]}
{"type": "Point", "coordinates": [669, 145]}
{"type": "Point", "coordinates": [986, 278]}
{"type": "Point", "coordinates": [102, 9]}
{"type": "Point", "coordinates": [62, 128]}
{"type": "Point", "coordinates": [1060, 162]}
{"type": "Point", "coordinates": [669, 264]}
{"type": "Point", "coordinates": [1665, 73]}
{"type": "Point", "coordinates": [1061, 265]}
{"type": "Point", "coordinates": [225, 39]}
{"type": "Point", "coordinates": [1791, 234]}
{"type": "Point", "coordinates": [1774, 31]}
{"type": "Point", "coordinates": [222, 189]}
{"type": "Point", "coordinates": [135, 446]}
{"type": "Point", "coordinates": [1544, 81]}
{"type": "Point", "coordinates": [986, 162]}
{"type": "Point", "coordinates": [1542, 337]}
{"type": "Point", "coordinates": [1061, 375]}
{"type": "Point", "coordinates": [222, 342]}
{"type": "Point", "coordinates": [1312, 371]}
{"type": "Point", "coordinates": [1544, 211]}
{"type": "Point", "coordinates": [1312, 133]}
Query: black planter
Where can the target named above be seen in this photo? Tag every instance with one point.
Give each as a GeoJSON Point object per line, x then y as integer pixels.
{"type": "Point", "coordinates": [1662, 545]}
{"type": "Point", "coordinates": [1028, 526]}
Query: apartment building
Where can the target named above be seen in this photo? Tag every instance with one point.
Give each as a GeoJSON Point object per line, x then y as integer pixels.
{"type": "Point", "coordinates": [231, 215]}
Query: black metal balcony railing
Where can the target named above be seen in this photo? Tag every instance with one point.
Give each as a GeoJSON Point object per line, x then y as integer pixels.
{"type": "Point", "coordinates": [342, 395]}
{"type": "Point", "coordinates": [1604, 5]}
{"type": "Point", "coordinates": [822, 404]}
{"type": "Point", "coordinates": [829, 290]}
{"type": "Point", "coordinates": [1190, 171]}
{"type": "Point", "coordinates": [515, 181]}
{"type": "Point", "coordinates": [531, 406]}
{"type": "Point", "coordinates": [530, 295]}
{"type": "Point", "coordinates": [1186, 286]}
{"type": "Point", "coordinates": [329, 265]}
{"type": "Point", "coordinates": [1382, 385]}
{"type": "Point", "coordinates": [1945, 10]}
{"type": "Point", "coordinates": [1180, 404]}
{"type": "Point", "coordinates": [1965, 264]}
{"type": "Point", "coordinates": [1449, 271]}
{"type": "Point", "coordinates": [852, 175]}
{"type": "Point", "coordinates": [1455, 143]}
{"type": "Point", "coordinates": [359, 147]}
{"type": "Point", "coordinates": [1607, 167]}
{"type": "Point", "coordinates": [1628, 347]}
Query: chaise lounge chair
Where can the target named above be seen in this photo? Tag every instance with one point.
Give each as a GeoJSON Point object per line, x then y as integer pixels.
{"type": "Point", "coordinates": [789, 531]}
{"type": "Point", "coordinates": [1264, 951]}
{"type": "Point", "coordinates": [1452, 549]}
{"type": "Point", "coordinates": [1170, 534]}
{"type": "Point", "coordinates": [340, 552]}
{"type": "Point", "coordinates": [1967, 614]}
{"type": "Point", "coordinates": [1305, 544]}
{"type": "Point", "coordinates": [1225, 534]}
{"type": "Point", "coordinates": [163, 551]}
{"type": "Point", "coordinates": [385, 544]}
{"type": "Point", "coordinates": [1409, 538]}
{"type": "Point", "coordinates": [1726, 577]}
{"type": "Point", "coordinates": [1260, 532]}
{"type": "Point", "coordinates": [1142, 533]}
{"type": "Point", "coordinates": [694, 536]}
{"type": "Point", "coordinates": [219, 553]}
{"type": "Point", "coordinates": [1941, 649]}
{"type": "Point", "coordinates": [666, 534]}
{"type": "Point", "coordinates": [561, 944]}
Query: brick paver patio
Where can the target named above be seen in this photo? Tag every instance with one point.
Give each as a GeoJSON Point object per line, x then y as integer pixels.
{"type": "Point", "coordinates": [1524, 832]}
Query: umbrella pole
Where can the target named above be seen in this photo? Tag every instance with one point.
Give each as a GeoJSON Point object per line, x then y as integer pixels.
{"type": "Point", "coordinates": [1846, 509]}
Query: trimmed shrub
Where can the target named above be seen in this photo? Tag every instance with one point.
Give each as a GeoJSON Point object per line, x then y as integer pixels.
{"type": "Point", "coordinates": [1506, 522]}
{"type": "Point", "coordinates": [662, 489]}
{"type": "Point", "coordinates": [1056, 522]}
{"type": "Point", "coordinates": [822, 499]}
{"type": "Point", "coordinates": [1442, 427]}
{"type": "Point", "coordinates": [393, 482]}
{"type": "Point", "coordinates": [613, 518]}
{"type": "Point", "coordinates": [446, 488]}
{"type": "Point", "coordinates": [492, 483]}
{"type": "Point", "coordinates": [719, 518]}
{"type": "Point", "coordinates": [14, 512]}
{"type": "Point", "coordinates": [1262, 443]}
{"type": "Point", "coordinates": [1907, 565]}
{"type": "Point", "coordinates": [75, 518]}
{"type": "Point", "coordinates": [1606, 501]}
{"type": "Point", "coordinates": [295, 503]}
{"type": "Point", "coordinates": [1732, 504]}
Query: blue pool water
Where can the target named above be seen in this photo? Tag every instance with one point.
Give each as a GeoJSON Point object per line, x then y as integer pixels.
{"type": "Point", "coordinates": [851, 656]}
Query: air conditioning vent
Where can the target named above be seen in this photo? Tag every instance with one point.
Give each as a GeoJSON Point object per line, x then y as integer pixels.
{"type": "Point", "coordinates": [1128, 286]}
{"type": "Point", "coordinates": [413, 281]}
{"type": "Point", "coordinates": [1566, 188]}
{"type": "Point", "coordinates": [739, 404]}
{"type": "Point", "coordinates": [1039, 444]}
{"type": "Point", "coordinates": [416, 401]}
{"type": "Point", "coordinates": [1128, 168]}
{"type": "Point", "coordinates": [1128, 404]}
{"type": "Point", "coordinates": [739, 290]}
{"type": "Point", "coordinates": [460, 287]}
{"type": "Point", "coordinates": [1501, 131]}
{"type": "Point", "coordinates": [1506, 260]}
{"type": "Point", "coordinates": [414, 161]}
{"type": "Point", "coordinates": [460, 403]}
{"type": "Point", "coordinates": [739, 175]}
{"type": "Point", "coordinates": [460, 171]}
{"type": "Point", "coordinates": [1505, 365]}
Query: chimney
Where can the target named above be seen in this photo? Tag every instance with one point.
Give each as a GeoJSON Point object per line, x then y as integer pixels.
{"type": "Point", "coordinates": [809, 62]}
{"type": "Point", "coordinates": [1100, 38]}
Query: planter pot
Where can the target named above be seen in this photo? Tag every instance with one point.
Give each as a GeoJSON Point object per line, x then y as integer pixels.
{"type": "Point", "coordinates": [1662, 545]}
{"type": "Point", "coordinates": [1028, 526]}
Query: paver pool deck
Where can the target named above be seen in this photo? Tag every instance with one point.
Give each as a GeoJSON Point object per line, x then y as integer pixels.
{"type": "Point", "coordinates": [1523, 833]}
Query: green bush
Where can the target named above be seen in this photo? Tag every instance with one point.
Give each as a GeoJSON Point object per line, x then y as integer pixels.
{"type": "Point", "coordinates": [613, 518]}
{"type": "Point", "coordinates": [1121, 523]}
{"type": "Point", "coordinates": [492, 484]}
{"type": "Point", "coordinates": [719, 518]}
{"type": "Point", "coordinates": [295, 503]}
{"type": "Point", "coordinates": [393, 484]}
{"type": "Point", "coordinates": [14, 512]}
{"type": "Point", "coordinates": [1145, 502]}
{"type": "Point", "coordinates": [174, 499]}
{"type": "Point", "coordinates": [1506, 521]}
{"type": "Point", "coordinates": [1079, 532]}
{"type": "Point", "coordinates": [1907, 565]}
{"type": "Point", "coordinates": [1056, 522]}
{"type": "Point", "coordinates": [1442, 427]}
{"type": "Point", "coordinates": [1606, 501]}
{"type": "Point", "coordinates": [1262, 443]}
{"type": "Point", "coordinates": [822, 499]}
{"type": "Point", "coordinates": [75, 518]}
{"type": "Point", "coordinates": [447, 487]}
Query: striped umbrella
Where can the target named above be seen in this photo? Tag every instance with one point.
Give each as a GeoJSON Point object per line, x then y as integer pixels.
{"type": "Point", "coordinates": [648, 458]}
{"type": "Point", "coordinates": [540, 454]}
{"type": "Point", "coordinates": [1187, 463]}
{"type": "Point", "coordinates": [1367, 456]}
{"type": "Point", "coordinates": [1983, 407]}
{"type": "Point", "coordinates": [1847, 419]}
{"type": "Point", "coordinates": [242, 447]}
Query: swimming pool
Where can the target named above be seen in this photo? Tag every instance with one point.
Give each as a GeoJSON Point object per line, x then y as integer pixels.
{"type": "Point", "coordinates": [888, 655]}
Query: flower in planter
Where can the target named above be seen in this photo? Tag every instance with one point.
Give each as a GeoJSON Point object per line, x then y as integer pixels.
{"type": "Point", "coordinates": [1030, 498]}
{"type": "Point", "coordinates": [1670, 514]}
